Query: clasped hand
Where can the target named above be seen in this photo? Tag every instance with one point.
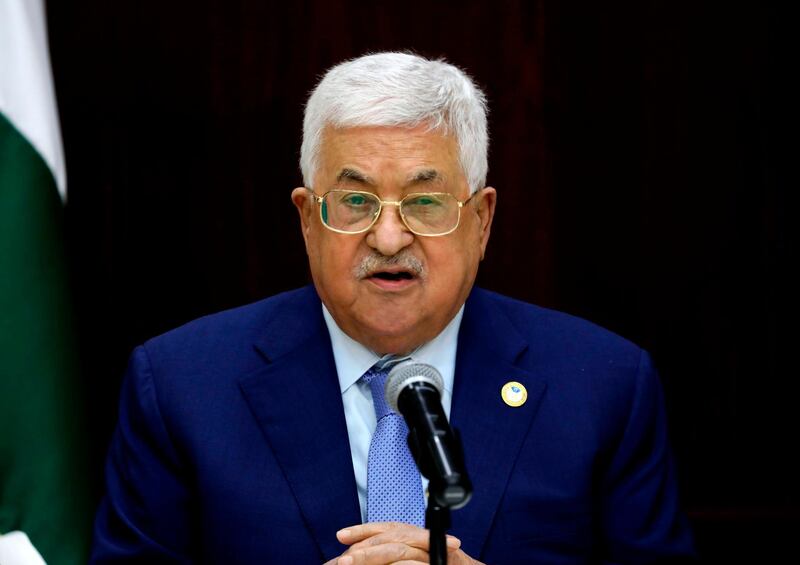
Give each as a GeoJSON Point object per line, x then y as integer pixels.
{"type": "Point", "coordinates": [381, 543]}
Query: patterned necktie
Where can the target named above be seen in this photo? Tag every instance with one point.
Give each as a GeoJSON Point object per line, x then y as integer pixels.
{"type": "Point", "coordinates": [394, 487]}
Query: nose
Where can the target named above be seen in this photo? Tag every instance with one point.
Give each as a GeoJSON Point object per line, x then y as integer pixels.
{"type": "Point", "coordinates": [389, 235]}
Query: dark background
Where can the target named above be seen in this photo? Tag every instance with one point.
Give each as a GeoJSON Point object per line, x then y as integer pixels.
{"type": "Point", "coordinates": [637, 152]}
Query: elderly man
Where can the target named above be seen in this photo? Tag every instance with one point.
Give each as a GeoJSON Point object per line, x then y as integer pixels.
{"type": "Point", "coordinates": [259, 435]}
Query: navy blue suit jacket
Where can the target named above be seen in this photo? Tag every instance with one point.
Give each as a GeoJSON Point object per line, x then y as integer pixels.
{"type": "Point", "coordinates": [232, 444]}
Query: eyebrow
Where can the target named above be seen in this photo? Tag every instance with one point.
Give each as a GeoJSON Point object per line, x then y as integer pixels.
{"type": "Point", "coordinates": [354, 175]}
{"type": "Point", "coordinates": [425, 175]}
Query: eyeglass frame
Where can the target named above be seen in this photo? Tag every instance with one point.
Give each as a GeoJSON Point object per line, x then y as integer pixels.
{"type": "Point", "coordinates": [318, 199]}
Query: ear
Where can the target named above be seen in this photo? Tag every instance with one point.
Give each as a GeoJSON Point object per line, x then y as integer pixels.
{"type": "Point", "coordinates": [304, 202]}
{"type": "Point", "coordinates": [484, 207]}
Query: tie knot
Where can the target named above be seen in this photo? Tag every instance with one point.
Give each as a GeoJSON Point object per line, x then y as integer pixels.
{"type": "Point", "coordinates": [376, 379]}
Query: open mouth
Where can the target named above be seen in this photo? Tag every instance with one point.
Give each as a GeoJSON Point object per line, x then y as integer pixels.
{"type": "Point", "coordinates": [399, 276]}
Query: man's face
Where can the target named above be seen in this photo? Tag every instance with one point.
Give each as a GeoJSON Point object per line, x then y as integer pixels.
{"type": "Point", "coordinates": [363, 279]}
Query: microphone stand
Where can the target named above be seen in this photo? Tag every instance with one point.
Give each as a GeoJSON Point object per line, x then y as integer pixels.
{"type": "Point", "coordinates": [437, 515]}
{"type": "Point", "coordinates": [437, 520]}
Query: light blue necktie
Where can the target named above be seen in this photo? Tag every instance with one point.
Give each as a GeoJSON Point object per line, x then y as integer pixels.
{"type": "Point", "coordinates": [394, 487]}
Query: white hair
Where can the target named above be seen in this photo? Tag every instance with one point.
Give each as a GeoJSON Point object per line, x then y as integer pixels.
{"type": "Point", "coordinates": [399, 89]}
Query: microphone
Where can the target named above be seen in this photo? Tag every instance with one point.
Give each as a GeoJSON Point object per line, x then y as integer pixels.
{"type": "Point", "coordinates": [415, 391]}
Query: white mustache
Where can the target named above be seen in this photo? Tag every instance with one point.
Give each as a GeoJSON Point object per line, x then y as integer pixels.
{"type": "Point", "coordinates": [375, 262]}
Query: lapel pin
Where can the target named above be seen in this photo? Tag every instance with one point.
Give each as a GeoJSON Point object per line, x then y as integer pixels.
{"type": "Point", "coordinates": [514, 394]}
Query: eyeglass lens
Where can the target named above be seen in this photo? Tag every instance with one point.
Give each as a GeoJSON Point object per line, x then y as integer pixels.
{"type": "Point", "coordinates": [428, 213]}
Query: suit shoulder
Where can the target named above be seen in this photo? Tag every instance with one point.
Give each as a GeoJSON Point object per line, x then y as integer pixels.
{"type": "Point", "coordinates": [540, 325]}
{"type": "Point", "coordinates": [236, 327]}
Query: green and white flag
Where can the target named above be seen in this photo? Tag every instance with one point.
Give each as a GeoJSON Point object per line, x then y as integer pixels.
{"type": "Point", "coordinates": [44, 510]}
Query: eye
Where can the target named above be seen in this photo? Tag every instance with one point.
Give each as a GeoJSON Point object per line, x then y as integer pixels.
{"type": "Point", "coordinates": [424, 201]}
{"type": "Point", "coordinates": [354, 199]}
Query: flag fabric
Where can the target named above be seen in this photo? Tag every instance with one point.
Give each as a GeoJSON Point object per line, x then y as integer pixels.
{"type": "Point", "coordinates": [43, 486]}
{"type": "Point", "coordinates": [16, 549]}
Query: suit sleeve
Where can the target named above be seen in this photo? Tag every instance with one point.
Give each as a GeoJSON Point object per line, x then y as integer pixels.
{"type": "Point", "coordinates": [145, 515]}
{"type": "Point", "coordinates": [641, 516]}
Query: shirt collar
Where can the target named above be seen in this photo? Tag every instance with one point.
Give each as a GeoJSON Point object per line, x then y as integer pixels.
{"type": "Point", "coordinates": [354, 359]}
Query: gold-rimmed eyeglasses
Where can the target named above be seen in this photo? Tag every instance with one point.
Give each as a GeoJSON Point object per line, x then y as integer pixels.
{"type": "Point", "coordinates": [423, 213]}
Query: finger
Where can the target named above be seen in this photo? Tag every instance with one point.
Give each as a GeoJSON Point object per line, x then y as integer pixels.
{"type": "Point", "coordinates": [358, 532]}
{"type": "Point", "coordinates": [375, 533]}
{"type": "Point", "coordinates": [398, 533]}
{"type": "Point", "coordinates": [382, 555]}
{"type": "Point", "coordinates": [453, 543]}
{"type": "Point", "coordinates": [411, 535]}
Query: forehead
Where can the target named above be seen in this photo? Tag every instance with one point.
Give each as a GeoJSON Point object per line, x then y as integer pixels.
{"type": "Point", "coordinates": [383, 153]}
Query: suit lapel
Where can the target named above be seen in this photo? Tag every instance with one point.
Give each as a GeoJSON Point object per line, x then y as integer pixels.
{"type": "Point", "coordinates": [297, 403]}
{"type": "Point", "coordinates": [492, 432]}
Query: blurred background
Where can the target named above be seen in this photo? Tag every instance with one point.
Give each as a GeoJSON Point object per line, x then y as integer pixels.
{"type": "Point", "coordinates": [637, 149]}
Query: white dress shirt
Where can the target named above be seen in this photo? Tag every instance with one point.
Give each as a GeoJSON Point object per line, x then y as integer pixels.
{"type": "Point", "coordinates": [352, 361]}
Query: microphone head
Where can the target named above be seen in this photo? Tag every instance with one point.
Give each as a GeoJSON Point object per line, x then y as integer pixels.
{"type": "Point", "coordinates": [403, 375]}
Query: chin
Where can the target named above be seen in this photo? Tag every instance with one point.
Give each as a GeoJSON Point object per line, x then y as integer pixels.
{"type": "Point", "coordinates": [399, 345]}
{"type": "Point", "coordinates": [386, 332]}
{"type": "Point", "coordinates": [388, 325]}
